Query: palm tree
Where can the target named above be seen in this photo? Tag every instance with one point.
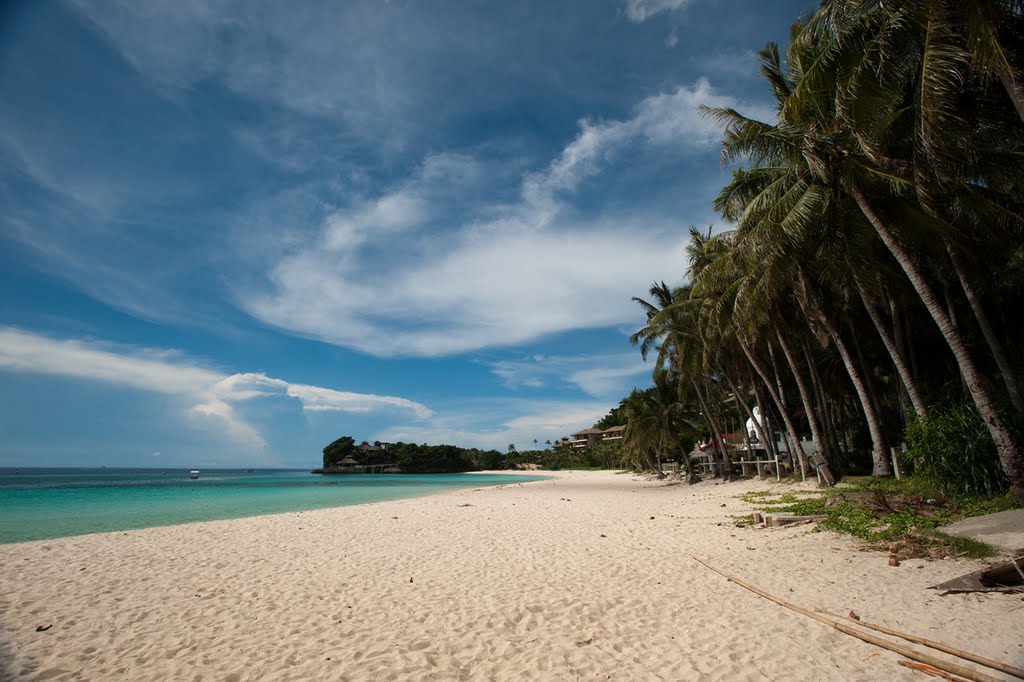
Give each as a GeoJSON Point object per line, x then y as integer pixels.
{"type": "Point", "coordinates": [813, 159]}
{"type": "Point", "coordinates": [672, 325]}
{"type": "Point", "coordinates": [653, 423]}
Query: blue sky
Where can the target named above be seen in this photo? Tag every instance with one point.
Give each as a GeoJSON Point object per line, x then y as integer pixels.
{"type": "Point", "coordinates": [234, 231]}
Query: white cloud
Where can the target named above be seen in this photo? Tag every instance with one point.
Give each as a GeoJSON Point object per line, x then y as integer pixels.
{"type": "Point", "coordinates": [609, 380]}
{"type": "Point", "coordinates": [159, 371]}
{"type": "Point", "coordinates": [383, 218]}
{"type": "Point", "coordinates": [206, 393]}
{"type": "Point", "coordinates": [318, 399]}
{"type": "Point", "coordinates": [540, 420]}
{"type": "Point", "coordinates": [730, 64]}
{"type": "Point", "coordinates": [236, 428]}
{"type": "Point", "coordinates": [404, 275]}
{"type": "Point", "coordinates": [669, 119]}
{"type": "Point", "coordinates": [600, 376]}
{"type": "Point", "coordinates": [511, 288]}
{"type": "Point", "coordinates": [642, 10]}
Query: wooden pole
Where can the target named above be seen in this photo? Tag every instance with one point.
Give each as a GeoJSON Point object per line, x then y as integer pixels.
{"type": "Point", "coordinates": [948, 666]}
{"type": "Point", "coordinates": [967, 655]}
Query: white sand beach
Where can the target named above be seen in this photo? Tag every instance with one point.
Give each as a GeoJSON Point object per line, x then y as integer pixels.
{"type": "Point", "coordinates": [586, 576]}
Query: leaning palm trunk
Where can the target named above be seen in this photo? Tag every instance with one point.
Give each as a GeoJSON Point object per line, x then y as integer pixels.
{"type": "Point", "coordinates": [839, 455]}
{"type": "Point", "coordinates": [890, 345]}
{"type": "Point", "coordinates": [811, 304]}
{"type": "Point", "coordinates": [794, 445]}
{"type": "Point", "coordinates": [1004, 364]}
{"type": "Point", "coordinates": [794, 438]}
{"type": "Point", "coordinates": [1010, 453]}
{"type": "Point", "coordinates": [805, 396]}
{"type": "Point", "coordinates": [865, 370]}
{"type": "Point", "coordinates": [716, 436]}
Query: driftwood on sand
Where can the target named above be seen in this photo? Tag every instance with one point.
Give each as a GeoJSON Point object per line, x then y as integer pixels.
{"type": "Point", "coordinates": [948, 666]}
{"type": "Point", "coordinates": [939, 646]}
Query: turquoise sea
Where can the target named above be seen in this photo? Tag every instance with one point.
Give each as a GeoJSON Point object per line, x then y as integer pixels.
{"type": "Point", "coordinates": [36, 504]}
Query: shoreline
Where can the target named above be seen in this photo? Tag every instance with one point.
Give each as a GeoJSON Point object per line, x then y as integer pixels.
{"type": "Point", "coordinates": [39, 514]}
{"type": "Point", "coordinates": [556, 579]}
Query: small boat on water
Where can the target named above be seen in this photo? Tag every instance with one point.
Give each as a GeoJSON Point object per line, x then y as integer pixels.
{"type": "Point", "coordinates": [250, 471]}
{"type": "Point", "coordinates": [194, 474]}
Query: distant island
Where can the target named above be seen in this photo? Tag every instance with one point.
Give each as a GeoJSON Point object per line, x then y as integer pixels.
{"type": "Point", "coordinates": [345, 456]}
{"type": "Point", "coordinates": [598, 447]}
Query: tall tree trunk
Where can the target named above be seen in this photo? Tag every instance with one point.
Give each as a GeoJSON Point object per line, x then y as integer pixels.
{"type": "Point", "coordinates": [865, 372]}
{"type": "Point", "coordinates": [904, 342]}
{"type": "Point", "coordinates": [954, 321]}
{"type": "Point", "coordinates": [890, 345]}
{"type": "Point", "coordinates": [789, 430]}
{"type": "Point", "coordinates": [741, 402]}
{"type": "Point", "coordinates": [794, 436]}
{"type": "Point", "coordinates": [716, 436]}
{"type": "Point", "coordinates": [1004, 364]}
{"type": "Point", "coordinates": [805, 396]}
{"type": "Point", "coordinates": [1010, 453]}
{"type": "Point", "coordinates": [823, 407]}
{"type": "Point", "coordinates": [812, 308]}
{"type": "Point", "coordinates": [691, 476]}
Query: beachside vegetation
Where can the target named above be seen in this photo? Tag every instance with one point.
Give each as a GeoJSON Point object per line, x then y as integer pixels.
{"type": "Point", "coordinates": [863, 293]}
{"type": "Point", "coordinates": [888, 513]}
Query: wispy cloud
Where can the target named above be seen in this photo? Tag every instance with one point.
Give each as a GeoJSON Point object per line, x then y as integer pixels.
{"type": "Point", "coordinates": [525, 421]}
{"type": "Point", "coordinates": [730, 63]}
{"type": "Point", "coordinates": [642, 10]}
{"type": "Point", "coordinates": [600, 376]}
{"type": "Point", "coordinates": [493, 274]}
{"type": "Point", "coordinates": [670, 119]}
{"type": "Point", "coordinates": [206, 393]}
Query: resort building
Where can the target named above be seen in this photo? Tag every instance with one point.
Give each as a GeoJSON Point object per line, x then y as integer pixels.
{"type": "Point", "coordinates": [614, 433]}
{"type": "Point", "coordinates": [592, 436]}
{"type": "Point", "coordinates": [585, 438]}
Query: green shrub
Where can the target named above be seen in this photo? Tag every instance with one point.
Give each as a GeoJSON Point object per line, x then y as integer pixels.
{"type": "Point", "coordinates": [953, 449]}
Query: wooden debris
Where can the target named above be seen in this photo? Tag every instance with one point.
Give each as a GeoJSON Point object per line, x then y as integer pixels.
{"type": "Point", "coordinates": [939, 646]}
{"type": "Point", "coordinates": [930, 671]}
{"type": "Point", "coordinates": [779, 520]}
{"type": "Point", "coordinates": [928, 659]}
{"type": "Point", "coordinates": [822, 467]}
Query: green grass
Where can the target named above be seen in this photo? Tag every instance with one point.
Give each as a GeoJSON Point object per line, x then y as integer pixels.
{"type": "Point", "coordinates": [888, 512]}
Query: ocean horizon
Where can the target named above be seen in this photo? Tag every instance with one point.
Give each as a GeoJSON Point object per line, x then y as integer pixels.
{"type": "Point", "coordinates": [47, 503]}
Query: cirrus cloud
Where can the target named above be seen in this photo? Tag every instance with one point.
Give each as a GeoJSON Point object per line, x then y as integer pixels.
{"type": "Point", "coordinates": [405, 274]}
{"type": "Point", "coordinates": [206, 393]}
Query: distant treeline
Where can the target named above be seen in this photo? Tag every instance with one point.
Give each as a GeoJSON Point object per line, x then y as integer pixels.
{"type": "Point", "coordinates": [435, 459]}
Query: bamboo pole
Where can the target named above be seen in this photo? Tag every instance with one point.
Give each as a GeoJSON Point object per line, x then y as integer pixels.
{"type": "Point", "coordinates": [948, 666]}
{"type": "Point", "coordinates": [967, 655]}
